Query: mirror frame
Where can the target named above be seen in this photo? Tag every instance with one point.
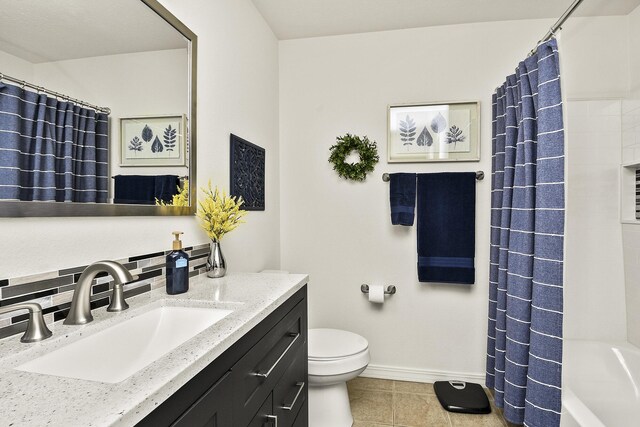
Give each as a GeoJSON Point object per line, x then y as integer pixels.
{"type": "Point", "coordinates": [61, 209]}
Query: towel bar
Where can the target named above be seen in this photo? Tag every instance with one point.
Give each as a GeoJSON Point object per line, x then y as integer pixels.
{"type": "Point", "coordinates": [180, 177]}
{"type": "Point", "coordinates": [479, 176]}
{"type": "Point", "coordinates": [390, 290]}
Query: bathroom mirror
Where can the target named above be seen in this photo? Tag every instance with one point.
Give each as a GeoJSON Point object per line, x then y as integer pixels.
{"type": "Point", "coordinates": [97, 109]}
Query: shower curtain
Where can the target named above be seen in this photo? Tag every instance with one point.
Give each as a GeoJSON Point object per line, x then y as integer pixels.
{"type": "Point", "coordinates": [524, 346]}
{"type": "Point", "coordinates": [51, 150]}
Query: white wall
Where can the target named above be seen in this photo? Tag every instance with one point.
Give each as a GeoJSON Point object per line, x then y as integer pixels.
{"type": "Point", "coordinates": [595, 57]}
{"type": "Point", "coordinates": [15, 67]}
{"type": "Point", "coordinates": [340, 232]}
{"type": "Point", "coordinates": [237, 92]}
{"type": "Point", "coordinates": [634, 56]}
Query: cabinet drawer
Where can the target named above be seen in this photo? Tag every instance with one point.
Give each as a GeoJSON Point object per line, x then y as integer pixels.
{"type": "Point", "coordinates": [290, 394]}
{"type": "Point", "coordinates": [213, 409]}
{"type": "Point", "coordinates": [263, 417]}
{"type": "Point", "coordinates": [258, 371]}
{"type": "Point", "coordinates": [302, 420]}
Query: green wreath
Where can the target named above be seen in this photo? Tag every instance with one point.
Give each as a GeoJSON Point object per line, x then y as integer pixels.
{"type": "Point", "coordinates": [367, 150]}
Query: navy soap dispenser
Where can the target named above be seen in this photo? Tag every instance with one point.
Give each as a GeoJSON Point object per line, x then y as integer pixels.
{"type": "Point", "coordinates": [177, 268]}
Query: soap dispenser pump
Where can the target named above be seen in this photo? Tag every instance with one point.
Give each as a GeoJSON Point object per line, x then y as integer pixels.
{"type": "Point", "coordinates": [177, 268]}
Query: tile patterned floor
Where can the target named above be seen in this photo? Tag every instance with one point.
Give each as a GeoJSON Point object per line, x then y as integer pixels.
{"type": "Point", "coordinates": [382, 403]}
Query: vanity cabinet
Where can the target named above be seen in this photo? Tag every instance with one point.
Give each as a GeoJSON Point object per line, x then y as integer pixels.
{"type": "Point", "coordinates": [264, 417]}
{"type": "Point", "coordinates": [213, 409]}
{"type": "Point", "coordinates": [260, 381]}
{"type": "Point", "coordinates": [273, 367]}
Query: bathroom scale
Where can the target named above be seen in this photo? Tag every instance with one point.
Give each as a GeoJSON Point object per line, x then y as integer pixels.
{"type": "Point", "coordinates": [462, 397]}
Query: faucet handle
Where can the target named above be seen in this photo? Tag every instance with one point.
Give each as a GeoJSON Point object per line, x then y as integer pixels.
{"type": "Point", "coordinates": [37, 329]}
{"type": "Point", "coordinates": [117, 299]}
{"type": "Point", "coordinates": [117, 296]}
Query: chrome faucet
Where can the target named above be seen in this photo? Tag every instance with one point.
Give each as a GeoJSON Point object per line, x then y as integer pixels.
{"type": "Point", "coordinates": [80, 312]}
{"type": "Point", "coordinates": [36, 328]}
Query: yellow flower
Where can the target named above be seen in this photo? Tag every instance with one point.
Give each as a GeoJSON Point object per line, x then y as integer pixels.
{"type": "Point", "coordinates": [219, 213]}
{"type": "Point", "coordinates": [180, 199]}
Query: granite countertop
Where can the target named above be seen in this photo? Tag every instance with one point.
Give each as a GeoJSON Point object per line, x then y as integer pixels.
{"type": "Point", "coordinates": [29, 399]}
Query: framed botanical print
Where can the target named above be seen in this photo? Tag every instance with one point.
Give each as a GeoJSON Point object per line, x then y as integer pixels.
{"type": "Point", "coordinates": [439, 132]}
{"type": "Point", "coordinates": [153, 141]}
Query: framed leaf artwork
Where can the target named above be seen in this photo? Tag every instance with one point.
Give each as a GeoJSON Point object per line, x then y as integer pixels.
{"type": "Point", "coordinates": [434, 132]}
{"type": "Point", "coordinates": [153, 141]}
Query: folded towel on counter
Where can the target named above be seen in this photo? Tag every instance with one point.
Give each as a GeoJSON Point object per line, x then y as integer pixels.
{"type": "Point", "coordinates": [446, 227]}
{"type": "Point", "coordinates": [144, 189]}
{"type": "Point", "coordinates": [402, 198]}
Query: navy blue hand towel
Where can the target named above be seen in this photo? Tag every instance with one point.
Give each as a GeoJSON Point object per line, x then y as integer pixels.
{"type": "Point", "coordinates": [402, 198]}
{"type": "Point", "coordinates": [446, 227]}
{"type": "Point", "coordinates": [166, 186]}
{"type": "Point", "coordinates": [144, 189]}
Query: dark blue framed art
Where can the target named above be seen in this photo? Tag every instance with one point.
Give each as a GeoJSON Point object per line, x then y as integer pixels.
{"type": "Point", "coordinates": [247, 173]}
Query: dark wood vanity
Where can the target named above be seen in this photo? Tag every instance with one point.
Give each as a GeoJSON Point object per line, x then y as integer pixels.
{"type": "Point", "coordinates": [261, 380]}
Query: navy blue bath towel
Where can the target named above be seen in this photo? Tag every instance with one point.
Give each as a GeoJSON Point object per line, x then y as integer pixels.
{"type": "Point", "coordinates": [446, 227]}
{"type": "Point", "coordinates": [144, 189]}
{"type": "Point", "coordinates": [402, 198]}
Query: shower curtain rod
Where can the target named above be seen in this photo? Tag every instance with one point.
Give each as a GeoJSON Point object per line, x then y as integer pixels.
{"type": "Point", "coordinates": [23, 83]}
{"type": "Point", "coordinates": [555, 27]}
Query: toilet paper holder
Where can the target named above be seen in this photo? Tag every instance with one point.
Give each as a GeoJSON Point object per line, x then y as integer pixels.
{"type": "Point", "coordinates": [390, 290]}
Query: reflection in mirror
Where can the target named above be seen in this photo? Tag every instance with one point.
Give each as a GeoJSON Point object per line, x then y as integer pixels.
{"type": "Point", "coordinates": [95, 105]}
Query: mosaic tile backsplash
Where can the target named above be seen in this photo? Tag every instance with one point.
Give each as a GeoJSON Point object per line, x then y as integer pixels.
{"type": "Point", "coordinates": [54, 290]}
{"type": "Point", "coordinates": [638, 194]}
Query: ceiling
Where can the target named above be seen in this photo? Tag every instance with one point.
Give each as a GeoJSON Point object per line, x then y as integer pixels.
{"type": "Point", "coordinates": [291, 19]}
{"type": "Point", "coordinates": [54, 30]}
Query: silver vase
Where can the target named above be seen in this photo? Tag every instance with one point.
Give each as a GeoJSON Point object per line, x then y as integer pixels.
{"type": "Point", "coordinates": [216, 265]}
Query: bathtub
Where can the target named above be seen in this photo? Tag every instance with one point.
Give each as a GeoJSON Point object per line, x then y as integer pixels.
{"type": "Point", "coordinates": [601, 384]}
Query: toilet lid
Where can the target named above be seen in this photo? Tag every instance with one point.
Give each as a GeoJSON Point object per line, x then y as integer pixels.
{"type": "Point", "coordinates": [334, 343]}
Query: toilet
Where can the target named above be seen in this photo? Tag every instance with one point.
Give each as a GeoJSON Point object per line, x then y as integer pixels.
{"type": "Point", "coordinates": [335, 357]}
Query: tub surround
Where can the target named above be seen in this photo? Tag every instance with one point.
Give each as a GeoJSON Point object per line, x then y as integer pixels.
{"type": "Point", "coordinates": [65, 401]}
{"type": "Point", "coordinates": [629, 188]}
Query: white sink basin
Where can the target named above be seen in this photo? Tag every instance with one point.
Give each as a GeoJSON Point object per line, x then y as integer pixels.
{"type": "Point", "coordinates": [116, 353]}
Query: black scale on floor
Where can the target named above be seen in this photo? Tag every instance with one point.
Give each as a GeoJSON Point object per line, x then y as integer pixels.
{"type": "Point", "coordinates": [462, 397]}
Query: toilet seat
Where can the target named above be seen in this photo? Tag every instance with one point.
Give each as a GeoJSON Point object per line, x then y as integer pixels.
{"type": "Point", "coordinates": [330, 344]}
{"type": "Point", "coordinates": [336, 352]}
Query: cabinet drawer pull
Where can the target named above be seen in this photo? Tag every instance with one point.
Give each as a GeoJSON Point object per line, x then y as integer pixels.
{"type": "Point", "coordinates": [295, 399]}
{"type": "Point", "coordinates": [266, 374]}
{"type": "Point", "coordinates": [273, 419]}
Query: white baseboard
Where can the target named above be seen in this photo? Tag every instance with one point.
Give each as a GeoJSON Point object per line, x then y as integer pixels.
{"type": "Point", "coordinates": [420, 375]}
